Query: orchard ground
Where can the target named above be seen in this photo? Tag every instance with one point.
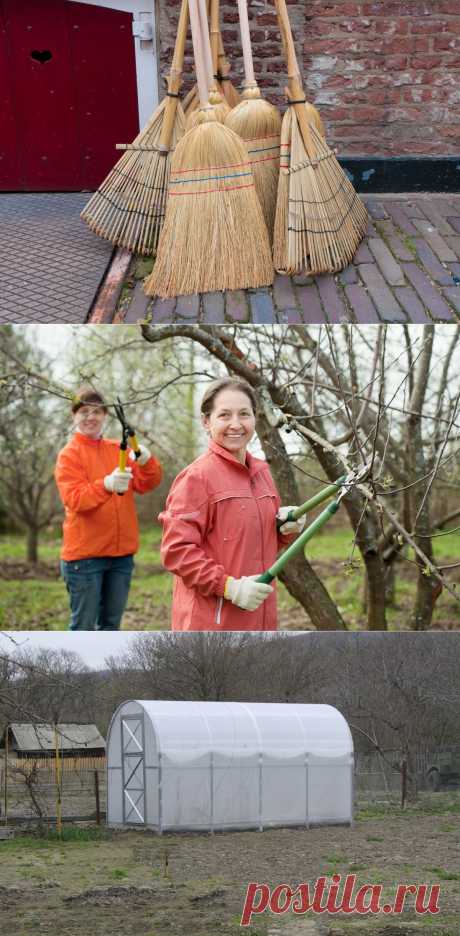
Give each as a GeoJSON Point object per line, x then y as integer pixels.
{"type": "Point", "coordinates": [35, 598]}
{"type": "Point", "coordinates": [135, 883]}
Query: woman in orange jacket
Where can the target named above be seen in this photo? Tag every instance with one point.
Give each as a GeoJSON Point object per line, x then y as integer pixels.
{"type": "Point", "coordinates": [220, 523]}
{"type": "Point", "coordinates": [100, 526]}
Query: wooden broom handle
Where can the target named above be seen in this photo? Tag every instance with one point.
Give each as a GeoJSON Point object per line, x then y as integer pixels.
{"type": "Point", "coordinates": [200, 66]}
{"type": "Point", "coordinates": [246, 42]}
{"type": "Point", "coordinates": [214, 31]}
{"type": "Point", "coordinates": [174, 80]}
{"type": "Point", "coordinates": [223, 65]}
{"type": "Point", "coordinates": [205, 41]}
{"type": "Point", "coordinates": [295, 92]}
{"type": "Point", "coordinates": [179, 48]}
{"type": "Point", "coordinates": [288, 42]}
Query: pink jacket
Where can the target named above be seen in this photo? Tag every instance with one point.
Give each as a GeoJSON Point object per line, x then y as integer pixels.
{"type": "Point", "coordinates": [220, 520]}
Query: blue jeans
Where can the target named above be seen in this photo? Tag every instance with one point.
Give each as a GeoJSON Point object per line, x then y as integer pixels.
{"type": "Point", "coordinates": [98, 590]}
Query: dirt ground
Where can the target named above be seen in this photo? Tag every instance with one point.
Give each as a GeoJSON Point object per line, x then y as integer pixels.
{"type": "Point", "coordinates": [135, 883]}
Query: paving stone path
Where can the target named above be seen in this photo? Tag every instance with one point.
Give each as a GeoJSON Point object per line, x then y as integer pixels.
{"type": "Point", "coordinates": [407, 270]}
{"type": "Point", "coordinates": [51, 264]}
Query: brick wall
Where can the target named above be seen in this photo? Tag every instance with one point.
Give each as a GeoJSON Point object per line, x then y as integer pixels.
{"type": "Point", "coordinates": [385, 74]}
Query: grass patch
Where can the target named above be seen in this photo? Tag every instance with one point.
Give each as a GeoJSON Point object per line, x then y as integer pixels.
{"type": "Point", "coordinates": [77, 834]}
{"type": "Point", "coordinates": [119, 874]}
{"type": "Point", "coordinates": [444, 875]}
{"type": "Point", "coordinates": [38, 601]}
{"type": "Point", "coordinates": [334, 859]}
{"type": "Point", "coordinates": [426, 805]}
{"type": "Point", "coordinates": [72, 834]}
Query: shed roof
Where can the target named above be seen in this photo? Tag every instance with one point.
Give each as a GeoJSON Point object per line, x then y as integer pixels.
{"type": "Point", "coordinates": [36, 737]}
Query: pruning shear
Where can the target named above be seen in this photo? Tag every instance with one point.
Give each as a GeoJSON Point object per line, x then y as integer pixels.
{"type": "Point", "coordinates": [128, 435]}
{"type": "Point", "coordinates": [341, 488]}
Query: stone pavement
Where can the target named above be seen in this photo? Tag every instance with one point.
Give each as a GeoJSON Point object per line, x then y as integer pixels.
{"type": "Point", "coordinates": [51, 264]}
{"type": "Point", "coordinates": [408, 270]}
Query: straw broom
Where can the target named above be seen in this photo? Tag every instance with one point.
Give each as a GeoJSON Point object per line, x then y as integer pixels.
{"type": "Point", "coordinates": [129, 207]}
{"type": "Point", "coordinates": [258, 123]}
{"type": "Point", "coordinates": [214, 236]}
{"type": "Point", "coordinates": [216, 99]}
{"type": "Point", "coordinates": [320, 219]}
{"type": "Point", "coordinates": [221, 66]}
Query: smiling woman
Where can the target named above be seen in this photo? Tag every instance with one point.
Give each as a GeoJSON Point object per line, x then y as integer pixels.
{"type": "Point", "coordinates": [220, 523]}
{"type": "Point", "coordinates": [100, 526]}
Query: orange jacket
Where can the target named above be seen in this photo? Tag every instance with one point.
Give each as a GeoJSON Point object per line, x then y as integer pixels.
{"type": "Point", "coordinates": [220, 520]}
{"type": "Point", "coordinates": [98, 523]}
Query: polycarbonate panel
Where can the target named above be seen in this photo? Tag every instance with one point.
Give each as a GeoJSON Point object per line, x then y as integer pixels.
{"type": "Point", "coordinates": [236, 796]}
{"type": "Point", "coordinates": [284, 757]}
{"type": "Point", "coordinates": [114, 795]}
{"type": "Point", "coordinates": [284, 794]}
{"type": "Point", "coordinates": [239, 759]}
{"type": "Point", "coordinates": [151, 796]}
{"type": "Point", "coordinates": [329, 793]}
{"type": "Point", "coordinates": [233, 728]}
{"type": "Point", "coordinates": [186, 798]}
{"type": "Point", "coordinates": [175, 734]}
{"type": "Point", "coordinates": [280, 728]}
{"type": "Point", "coordinates": [325, 729]}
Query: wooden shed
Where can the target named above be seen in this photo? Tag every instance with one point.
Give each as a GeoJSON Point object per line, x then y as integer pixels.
{"type": "Point", "coordinates": [32, 740]}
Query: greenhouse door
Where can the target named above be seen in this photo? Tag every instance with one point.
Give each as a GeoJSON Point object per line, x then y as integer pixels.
{"type": "Point", "coordinates": [132, 747]}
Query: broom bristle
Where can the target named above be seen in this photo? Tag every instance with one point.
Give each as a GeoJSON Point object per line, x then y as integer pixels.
{"type": "Point", "coordinates": [314, 117]}
{"type": "Point", "coordinates": [219, 106]}
{"type": "Point", "coordinates": [214, 236]}
{"type": "Point", "coordinates": [258, 123]}
{"type": "Point", "coordinates": [128, 208]}
{"type": "Point", "coordinates": [326, 219]}
{"type": "Point", "coordinates": [191, 101]}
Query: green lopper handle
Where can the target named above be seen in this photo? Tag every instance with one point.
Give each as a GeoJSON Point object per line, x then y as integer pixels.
{"type": "Point", "coordinates": [314, 501]}
{"type": "Point", "coordinates": [299, 543]}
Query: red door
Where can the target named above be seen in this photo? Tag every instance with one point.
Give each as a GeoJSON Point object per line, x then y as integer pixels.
{"type": "Point", "coordinates": [68, 80]}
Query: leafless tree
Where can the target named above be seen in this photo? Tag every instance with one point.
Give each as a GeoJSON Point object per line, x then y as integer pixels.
{"type": "Point", "coordinates": [30, 434]}
{"type": "Point", "coordinates": [352, 397]}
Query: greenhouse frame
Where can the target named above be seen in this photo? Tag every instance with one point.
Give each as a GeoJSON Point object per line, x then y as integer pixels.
{"type": "Point", "coordinates": [228, 765]}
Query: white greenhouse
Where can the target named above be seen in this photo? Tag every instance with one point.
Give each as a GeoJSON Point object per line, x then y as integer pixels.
{"type": "Point", "coordinates": [228, 765]}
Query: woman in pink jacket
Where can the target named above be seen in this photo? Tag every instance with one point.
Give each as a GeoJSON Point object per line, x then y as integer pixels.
{"type": "Point", "coordinates": [220, 523]}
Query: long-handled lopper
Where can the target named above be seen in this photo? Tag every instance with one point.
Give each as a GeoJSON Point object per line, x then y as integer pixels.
{"type": "Point", "coordinates": [128, 435]}
{"type": "Point", "coordinates": [313, 502]}
{"type": "Point", "coordinates": [343, 485]}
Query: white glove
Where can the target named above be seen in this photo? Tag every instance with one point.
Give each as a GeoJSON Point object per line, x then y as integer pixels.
{"type": "Point", "coordinates": [118, 482]}
{"type": "Point", "coordinates": [292, 526]}
{"type": "Point", "coordinates": [143, 457]}
{"type": "Point", "coordinates": [246, 593]}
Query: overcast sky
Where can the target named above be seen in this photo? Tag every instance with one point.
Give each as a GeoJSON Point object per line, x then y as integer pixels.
{"type": "Point", "coordinates": [93, 647]}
